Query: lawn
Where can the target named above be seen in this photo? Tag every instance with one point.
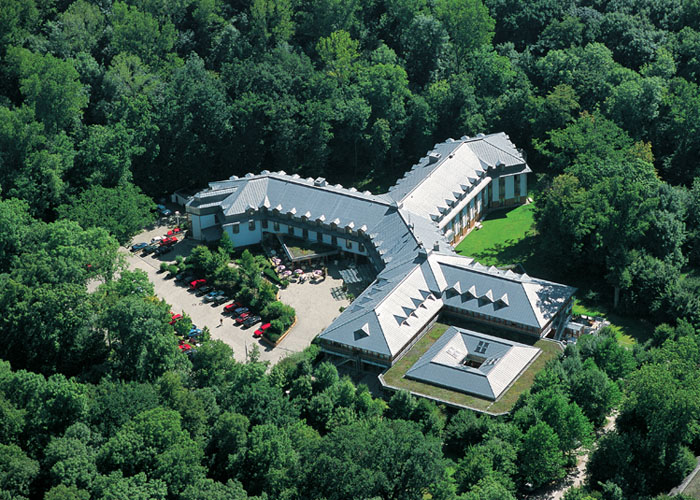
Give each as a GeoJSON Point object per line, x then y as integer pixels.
{"type": "Point", "coordinates": [628, 330]}
{"type": "Point", "coordinates": [395, 376]}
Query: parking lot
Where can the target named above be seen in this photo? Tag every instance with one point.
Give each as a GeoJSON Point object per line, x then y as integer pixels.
{"type": "Point", "coordinates": [316, 304]}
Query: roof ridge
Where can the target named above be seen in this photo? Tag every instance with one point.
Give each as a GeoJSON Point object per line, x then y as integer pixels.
{"type": "Point", "coordinates": [438, 164]}
{"type": "Point", "coordinates": [499, 148]}
{"type": "Point", "coordinates": [346, 191]}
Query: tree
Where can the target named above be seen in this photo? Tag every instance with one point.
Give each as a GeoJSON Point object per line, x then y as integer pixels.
{"type": "Point", "coordinates": [104, 157]}
{"type": "Point", "coordinates": [326, 375]}
{"type": "Point", "coordinates": [137, 487]}
{"type": "Point", "coordinates": [270, 23]}
{"type": "Point", "coordinates": [123, 210]}
{"type": "Point", "coordinates": [207, 489]}
{"type": "Point", "coordinates": [154, 443]}
{"type": "Point", "coordinates": [468, 23]}
{"type": "Point", "coordinates": [51, 87]}
{"type": "Point", "coordinates": [425, 44]}
{"type": "Point", "coordinates": [269, 460]}
{"type": "Point", "coordinates": [77, 30]}
{"type": "Point", "coordinates": [17, 470]}
{"type": "Point", "coordinates": [594, 392]}
{"type": "Point", "coordinates": [193, 120]}
{"type": "Point", "coordinates": [227, 447]}
{"type": "Point", "coordinates": [141, 341]}
{"type": "Point", "coordinates": [465, 428]}
{"type": "Point", "coordinates": [15, 222]}
{"type": "Point", "coordinates": [362, 457]}
{"type": "Point", "coordinates": [139, 33]}
{"type": "Point", "coordinates": [540, 458]}
{"type": "Point", "coordinates": [70, 459]}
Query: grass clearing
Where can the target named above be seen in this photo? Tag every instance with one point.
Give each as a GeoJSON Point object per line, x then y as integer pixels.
{"type": "Point", "coordinates": [629, 331]}
{"type": "Point", "coordinates": [395, 375]}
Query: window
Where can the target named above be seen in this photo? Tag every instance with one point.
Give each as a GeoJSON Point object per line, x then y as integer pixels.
{"type": "Point", "coordinates": [305, 233]}
{"type": "Point", "coordinates": [319, 236]}
{"type": "Point", "coordinates": [264, 223]}
{"type": "Point", "coordinates": [235, 228]}
{"type": "Point", "coordinates": [334, 240]}
{"type": "Point", "coordinates": [290, 230]}
{"type": "Point", "coordinates": [276, 226]}
{"type": "Point", "coordinates": [251, 225]}
{"type": "Point", "coordinates": [360, 247]}
{"type": "Point", "coordinates": [348, 244]}
{"type": "Point", "coordinates": [501, 188]}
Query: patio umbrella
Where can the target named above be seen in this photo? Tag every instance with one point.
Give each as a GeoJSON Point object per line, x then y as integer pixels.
{"type": "Point", "coordinates": [298, 272]}
{"type": "Point", "coordinates": [287, 273]}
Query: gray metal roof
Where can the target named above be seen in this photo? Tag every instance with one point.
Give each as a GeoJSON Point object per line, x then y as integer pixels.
{"type": "Point", "coordinates": [452, 280]}
{"type": "Point", "coordinates": [444, 363]}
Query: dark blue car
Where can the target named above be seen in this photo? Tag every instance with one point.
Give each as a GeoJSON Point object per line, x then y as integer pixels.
{"type": "Point", "coordinates": [138, 246]}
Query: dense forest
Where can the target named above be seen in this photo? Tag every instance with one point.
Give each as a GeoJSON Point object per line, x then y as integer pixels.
{"type": "Point", "coordinates": [106, 106]}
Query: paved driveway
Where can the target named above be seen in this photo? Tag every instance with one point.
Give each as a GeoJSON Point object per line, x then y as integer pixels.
{"type": "Point", "coordinates": [315, 305]}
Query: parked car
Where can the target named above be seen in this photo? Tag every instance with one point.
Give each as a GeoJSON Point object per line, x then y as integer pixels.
{"type": "Point", "coordinates": [229, 308]}
{"type": "Point", "coordinates": [139, 246]}
{"type": "Point", "coordinates": [194, 332]}
{"type": "Point", "coordinates": [203, 290]}
{"type": "Point", "coordinates": [149, 249]}
{"type": "Point", "coordinates": [251, 320]}
{"type": "Point", "coordinates": [213, 295]}
{"type": "Point", "coordinates": [194, 285]}
{"type": "Point", "coordinates": [164, 212]}
{"type": "Point", "coordinates": [241, 318]}
{"type": "Point", "coordinates": [259, 332]}
{"type": "Point", "coordinates": [180, 277]}
{"type": "Point", "coordinates": [239, 311]}
{"type": "Point", "coordinates": [220, 300]}
{"type": "Point", "coordinates": [161, 250]}
{"type": "Point", "coordinates": [170, 240]}
{"type": "Point", "coordinates": [175, 318]}
{"type": "Point", "coordinates": [173, 231]}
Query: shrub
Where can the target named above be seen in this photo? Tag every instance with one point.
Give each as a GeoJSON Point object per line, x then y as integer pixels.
{"type": "Point", "coordinates": [163, 267]}
{"type": "Point", "coordinates": [276, 326]}
{"type": "Point", "coordinates": [272, 337]}
{"type": "Point", "coordinates": [172, 270]}
{"type": "Point", "coordinates": [272, 276]}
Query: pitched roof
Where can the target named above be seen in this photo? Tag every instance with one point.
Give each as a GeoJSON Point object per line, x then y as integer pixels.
{"type": "Point", "coordinates": [444, 363]}
{"type": "Point", "coordinates": [452, 171]}
{"type": "Point", "coordinates": [451, 280]}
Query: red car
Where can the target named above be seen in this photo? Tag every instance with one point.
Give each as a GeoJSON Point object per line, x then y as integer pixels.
{"type": "Point", "coordinates": [184, 347]}
{"type": "Point", "coordinates": [261, 330]}
{"type": "Point", "coordinates": [168, 241]}
{"type": "Point", "coordinates": [240, 319]}
{"type": "Point", "coordinates": [229, 308]}
{"type": "Point", "coordinates": [173, 231]}
{"type": "Point", "coordinates": [197, 283]}
{"type": "Point", "coordinates": [175, 318]}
